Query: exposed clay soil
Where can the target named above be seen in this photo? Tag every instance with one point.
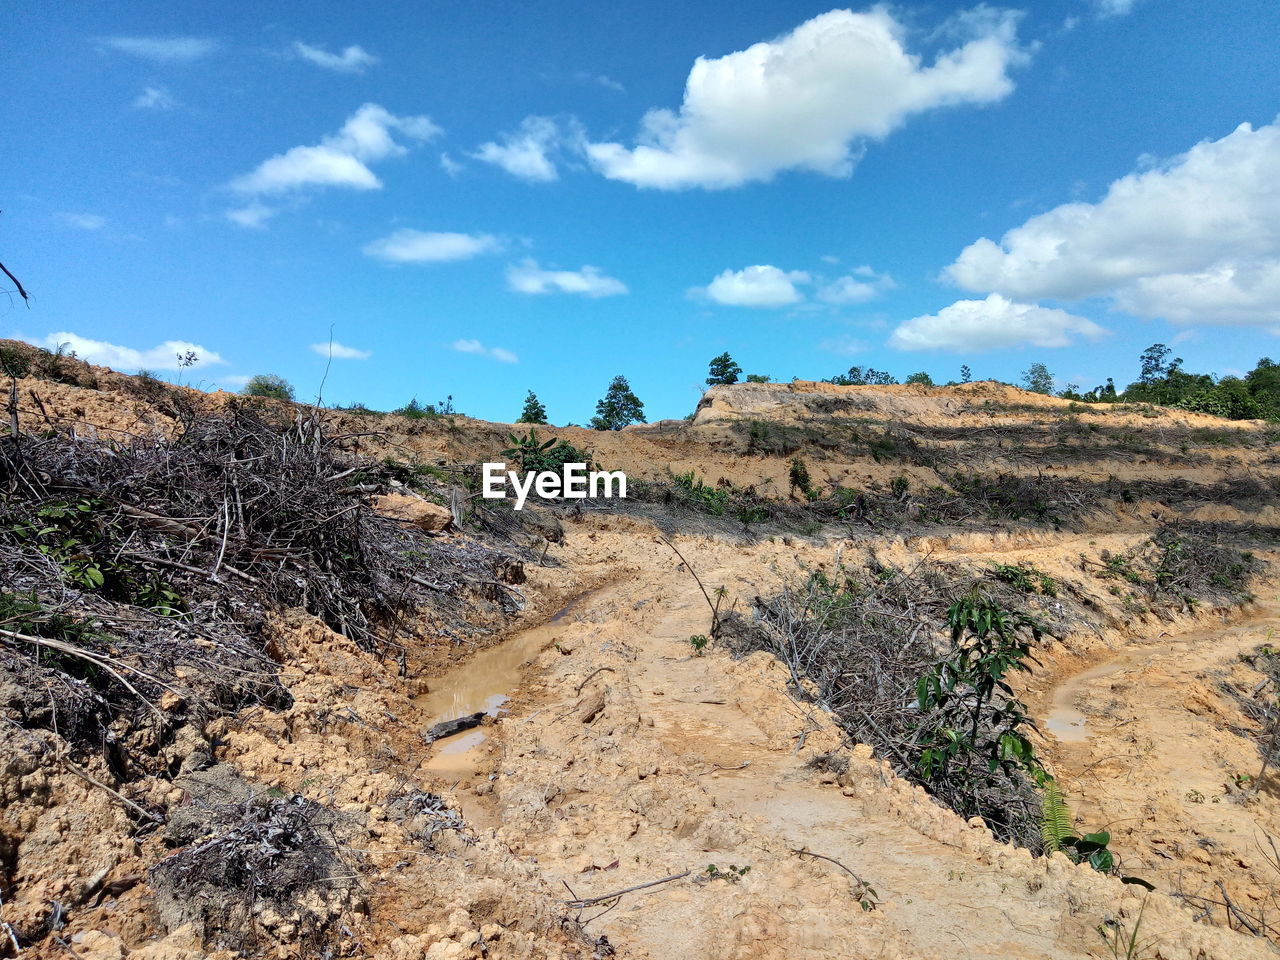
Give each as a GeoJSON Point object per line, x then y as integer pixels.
{"type": "Point", "coordinates": [614, 756]}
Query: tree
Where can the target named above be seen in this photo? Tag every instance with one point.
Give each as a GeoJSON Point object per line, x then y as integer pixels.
{"type": "Point", "coordinates": [1037, 379]}
{"type": "Point", "coordinates": [268, 385]}
{"type": "Point", "coordinates": [863, 376]}
{"type": "Point", "coordinates": [966, 375]}
{"type": "Point", "coordinates": [1154, 361]}
{"type": "Point", "coordinates": [921, 378]}
{"type": "Point", "coordinates": [722, 369]}
{"type": "Point", "coordinates": [759, 378]}
{"type": "Point", "coordinates": [534, 411]}
{"type": "Point", "coordinates": [619, 407]}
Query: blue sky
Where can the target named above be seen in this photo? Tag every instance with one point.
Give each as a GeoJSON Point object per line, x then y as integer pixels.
{"type": "Point", "coordinates": [481, 199]}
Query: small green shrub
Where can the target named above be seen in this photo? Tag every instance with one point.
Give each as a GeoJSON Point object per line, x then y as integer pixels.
{"type": "Point", "coordinates": [268, 385]}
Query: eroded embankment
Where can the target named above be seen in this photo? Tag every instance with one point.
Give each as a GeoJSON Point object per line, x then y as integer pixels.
{"type": "Point", "coordinates": [1151, 744]}
{"type": "Point", "coordinates": [625, 759]}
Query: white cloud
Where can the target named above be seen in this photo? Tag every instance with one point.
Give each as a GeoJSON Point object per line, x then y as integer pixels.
{"type": "Point", "coordinates": [83, 221]}
{"type": "Point", "coordinates": [339, 160]}
{"type": "Point", "coordinates": [154, 98]}
{"type": "Point", "coordinates": [353, 59]}
{"type": "Point", "coordinates": [528, 277]}
{"type": "Point", "coordinates": [1193, 240]}
{"type": "Point", "coordinates": [253, 215]}
{"type": "Point", "coordinates": [971, 326]}
{"type": "Point", "coordinates": [525, 153]}
{"type": "Point", "coordinates": [415, 246]}
{"type": "Point", "coordinates": [859, 286]}
{"type": "Point", "coordinates": [450, 166]}
{"type": "Point", "coordinates": [1114, 8]}
{"type": "Point", "coordinates": [162, 357]}
{"type": "Point", "coordinates": [236, 381]}
{"type": "Point", "coordinates": [758, 286]}
{"type": "Point", "coordinates": [340, 351]}
{"type": "Point", "coordinates": [602, 80]}
{"type": "Point", "coordinates": [809, 100]}
{"type": "Point", "coordinates": [478, 348]}
{"type": "Point", "coordinates": [163, 49]}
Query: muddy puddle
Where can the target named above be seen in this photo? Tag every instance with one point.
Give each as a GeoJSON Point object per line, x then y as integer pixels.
{"type": "Point", "coordinates": [484, 684]}
{"type": "Point", "coordinates": [1064, 720]}
{"type": "Point", "coordinates": [1071, 725]}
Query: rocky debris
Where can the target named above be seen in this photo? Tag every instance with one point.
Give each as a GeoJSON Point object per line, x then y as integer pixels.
{"type": "Point", "coordinates": [426, 516]}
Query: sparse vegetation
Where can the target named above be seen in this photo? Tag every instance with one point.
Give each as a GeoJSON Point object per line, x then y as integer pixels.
{"type": "Point", "coordinates": [268, 385]}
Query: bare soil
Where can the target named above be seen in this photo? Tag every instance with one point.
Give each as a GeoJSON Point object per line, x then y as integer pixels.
{"type": "Point", "coordinates": [616, 756]}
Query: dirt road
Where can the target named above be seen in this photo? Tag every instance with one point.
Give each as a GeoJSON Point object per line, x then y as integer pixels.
{"type": "Point", "coordinates": [625, 758]}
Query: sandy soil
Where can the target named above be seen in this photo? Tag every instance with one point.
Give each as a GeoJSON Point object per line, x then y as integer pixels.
{"type": "Point", "coordinates": [615, 757]}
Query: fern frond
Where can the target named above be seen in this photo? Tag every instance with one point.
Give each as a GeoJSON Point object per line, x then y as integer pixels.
{"type": "Point", "coordinates": [1055, 818]}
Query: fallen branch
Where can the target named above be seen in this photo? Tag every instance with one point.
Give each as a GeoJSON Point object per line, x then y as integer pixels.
{"type": "Point", "coordinates": [591, 901]}
{"type": "Point", "coordinates": [865, 892]}
{"type": "Point", "coordinates": [595, 673]}
{"type": "Point", "coordinates": [715, 607]}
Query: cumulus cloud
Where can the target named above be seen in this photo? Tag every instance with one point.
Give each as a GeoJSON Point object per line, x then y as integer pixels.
{"type": "Point", "coordinates": [858, 286]}
{"type": "Point", "coordinates": [253, 215]}
{"type": "Point", "coordinates": [525, 153]}
{"type": "Point", "coordinates": [339, 160]}
{"type": "Point", "coordinates": [970, 326]}
{"type": "Point", "coordinates": [163, 49]}
{"type": "Point", "coordinates": [528, 277]}
{"type": "Point", "coordinates": [478, 348]}
{"type": "Point", "coordinates": [1192, 240]}
{"type": "Point", "coordinates": [415, 246]}
{"type": "Point", "coordinates": [162, 357]}
{"type": "Point", "coordinates": [154, 98]}
{"type": "Point", "coordinates": [758, 286]}
{"type": "Point", "coordinates": [353, 59]}
{"type": "Point", "coordinates": [340, 351]}
{"type": "Point", "coordinates": [810, 100]}
{"type": "Point", "coordinates": [82, 221]}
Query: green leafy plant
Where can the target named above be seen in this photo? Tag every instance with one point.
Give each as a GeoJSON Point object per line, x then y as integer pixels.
{"type": "Point", "coordinates": [798, 475]}
{"type": "Point", "coordinates": [536, 454]}
{"type": "Point", "coordinates": [1026, 579]}
{"type": "Point", "coordinates": [268, 385]}
{"type": "Point", "coordinates": [699, 642]}
{"type": "Point", "coordinates": [1057, 830]}
{"type": "Point", "coordinates": [977, 722]}
{"type": "Point", "coordinates": [733, 874]}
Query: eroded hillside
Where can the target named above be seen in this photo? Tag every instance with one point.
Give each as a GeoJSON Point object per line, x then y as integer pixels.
{"type": "Point", "coordinates": [233, 631]}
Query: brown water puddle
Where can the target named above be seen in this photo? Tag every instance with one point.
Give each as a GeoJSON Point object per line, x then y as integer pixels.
{"type": "Point", "coordinates": [1066, 722]}
{"type": "Point", "coordinates": [484, 684]}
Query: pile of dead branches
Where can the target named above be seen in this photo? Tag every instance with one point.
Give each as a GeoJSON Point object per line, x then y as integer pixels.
{"type": "Point", "coordinates": [859, 642]}
{"type": "Point", "coordinates": [135, 577]}
{"type": "Point", "coordinates": [252, 864]}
